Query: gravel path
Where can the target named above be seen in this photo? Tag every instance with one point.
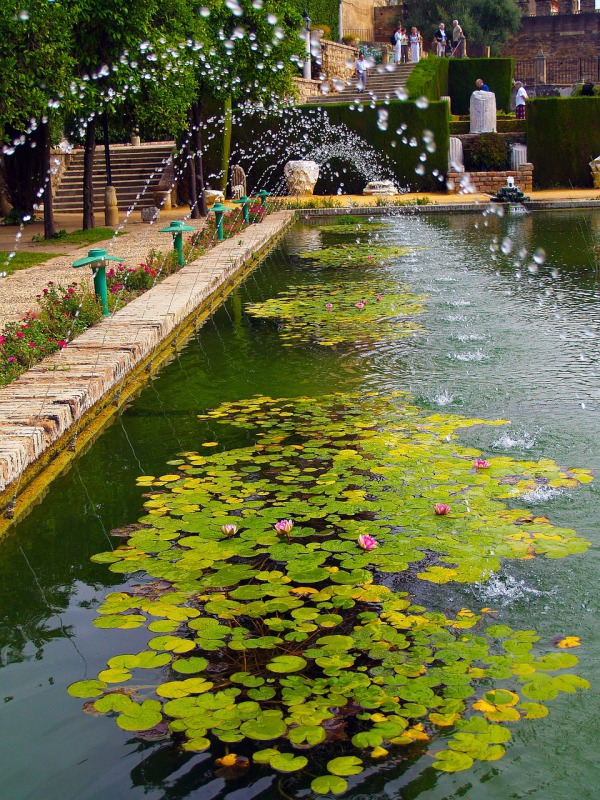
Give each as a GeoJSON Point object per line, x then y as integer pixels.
{"type": "Point", "coordinates": [18, 291]}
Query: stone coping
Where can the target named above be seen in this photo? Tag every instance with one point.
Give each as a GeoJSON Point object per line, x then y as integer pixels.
{"type": "Point", "coordinates": [444, 208]}
{"type": "Point", "coordinates": [52, 411]}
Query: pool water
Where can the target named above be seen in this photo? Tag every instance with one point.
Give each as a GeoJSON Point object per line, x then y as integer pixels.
{"type": "Point", "coordinates": [500, 341]}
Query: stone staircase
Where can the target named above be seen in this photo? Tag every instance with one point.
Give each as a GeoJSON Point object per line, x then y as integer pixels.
{"type": "Point", "coordinates": [381, 85]}
{"type": "Point", "coordinates": [134, 169]}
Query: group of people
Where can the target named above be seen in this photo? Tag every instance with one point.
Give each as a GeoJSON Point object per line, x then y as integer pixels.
{"type": "Point", "coordinates": [446, 44]}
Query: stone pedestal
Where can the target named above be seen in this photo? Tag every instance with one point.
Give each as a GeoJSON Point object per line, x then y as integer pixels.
{"type": "Point", "coordinates": [213, 196]}
{"type": "Point", "coordinates": [111, 209]}
{"type": "Point", "coordinates": [456, 161]}
{"type": "Point", "coordinates": [162, 199]}
{"type": "Point", "coordinates": [301, 177]}
{"type": "Point", "coordinates": [595, 167]}
{"type": "Point", "coordinates": [518, 156]}
{"type": "Point", "coordinates": [483, 112]}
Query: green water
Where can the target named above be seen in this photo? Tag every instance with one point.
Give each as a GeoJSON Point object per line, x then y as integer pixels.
{"type": "Point", "coordinates": [497, 344]}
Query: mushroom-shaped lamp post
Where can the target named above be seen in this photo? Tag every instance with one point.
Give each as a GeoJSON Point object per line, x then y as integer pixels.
{"type": "Point", "coordinates": [219, 210]}
{"type": "Point", "coordinates": [177, 228]}
{"type": "Point", "coordinates": [262, 196]}
{"type": "Point", "coordinates": [245, 203]}
{"type": "Point", "coordinates": [97, 259]}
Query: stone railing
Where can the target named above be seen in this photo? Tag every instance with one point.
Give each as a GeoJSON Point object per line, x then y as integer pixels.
{"type": "Point", "coordinates": [335, 58]}
{"type": "Point", "coordinates": [491, 182]}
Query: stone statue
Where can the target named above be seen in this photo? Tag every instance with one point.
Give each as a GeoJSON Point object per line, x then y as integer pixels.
{"type": "Point", "coordinates": [380, 189]}
{"type": "Point", "coordinates": [456, 160]}
{"type": "Point", "coordinates": [595, 167]}
{"type": "Point", "coordinates": [238, 180]}
{"type": "Point", "coordinates": [518, 156]}
{"type": "Point", "coordinates": [483, 112]}
{"type": "Point", "coordinates": [301, 176]}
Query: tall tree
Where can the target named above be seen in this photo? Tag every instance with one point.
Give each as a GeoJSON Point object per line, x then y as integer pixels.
{"type": "Point", "coordinates": [35, 69]}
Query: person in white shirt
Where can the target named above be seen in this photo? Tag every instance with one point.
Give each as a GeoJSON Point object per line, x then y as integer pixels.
{"type": "Point", "coordinates": [361, 73]}
{"type": "Point", "coordinates": [520, 99]}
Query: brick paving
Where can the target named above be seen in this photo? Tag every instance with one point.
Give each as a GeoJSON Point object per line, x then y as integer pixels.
{"type": "Point", "coordinates": [47, 402]}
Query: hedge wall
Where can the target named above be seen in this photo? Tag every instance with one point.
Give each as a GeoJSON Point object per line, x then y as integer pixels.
{"type": "Point", "coordinates": [321, 12]}
{"type": "Point", "coordinates": [563, 135]}
{"type": "Point", "coordinates": [463, 72]}
{"type": "Point", "coordinates": [263, 143]}
{"type": "Point", "coordinates": [429, 78]}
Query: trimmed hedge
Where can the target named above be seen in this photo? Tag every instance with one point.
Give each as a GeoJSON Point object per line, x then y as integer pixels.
{"type": "Point", "coordinates": [563, 136]}
{"type": "Point", "coordinates": [503, 125]}
{"type": "Point", "coordinates": [429, 78]}
{"type": "Point", "coordinates": [496, 72]}
{"type": "Point", "coordinates": [262, 143]}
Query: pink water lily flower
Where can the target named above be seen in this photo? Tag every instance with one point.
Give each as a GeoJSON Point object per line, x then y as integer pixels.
{"type": "Point", "coordinates": [284, 526]}
{"type": "Point", "coordinates": [379, 298]}
{"type": "Point", "coordinates": [360, 305]}
{"type": "Point", "coordinates": [329, 306]}
{"type": "Point", "coordinates": [441, 509]}
{"type": "Point", "coordinates": [367, 542]}
{"type": "Point", "coordinates": [481, 463]}
{"type": "Point", "coordinates": [229, 530]}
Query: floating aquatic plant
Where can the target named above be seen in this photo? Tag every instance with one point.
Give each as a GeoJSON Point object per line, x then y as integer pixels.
{"type": "Point", "coordinates": [355, 255]}
{"type": "Point", "coordinates": [353, 224]}
{"type": "Point", "coordinates": [330, 313]}
{"type": "Point", "coordinates": [297, 648]}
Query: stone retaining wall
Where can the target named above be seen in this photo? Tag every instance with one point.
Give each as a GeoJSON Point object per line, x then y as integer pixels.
{"type": "Point", "coordinates": [306, 89]}
{"type": "Point", "coordinates": [335, 60]}
{"type": "Point", "coordinates": [492, 182]}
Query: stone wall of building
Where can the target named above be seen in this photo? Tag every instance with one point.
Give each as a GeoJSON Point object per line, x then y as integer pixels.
{"type": "Point", "coordinates": [491, 182]}
{"type": "Point", "coordinates": [563, 36]}
{"type": "Point", "coordinates": [357, 17]}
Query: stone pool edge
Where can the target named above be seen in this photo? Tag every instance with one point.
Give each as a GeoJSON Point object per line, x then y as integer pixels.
{"type": "Point", "coordinates": [54, 411]}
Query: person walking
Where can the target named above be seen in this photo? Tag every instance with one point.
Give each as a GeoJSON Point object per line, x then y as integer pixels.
{"type": "Point", "coordinates": [441, 38]}
{"type": "Point", "coordinates": [520, 99]}
{"type": "Point", "coordinates": [459, 41]}
{"type": "Point", "coordinates": [361, 70]}
{"type": "Point", "coordinates": [415, 45]}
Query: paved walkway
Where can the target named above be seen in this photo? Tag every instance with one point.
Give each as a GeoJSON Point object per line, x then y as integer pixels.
{"type": "Point", "coordinates": [18, 291]}
{"type": "Point", "coordinates": [47, 403]}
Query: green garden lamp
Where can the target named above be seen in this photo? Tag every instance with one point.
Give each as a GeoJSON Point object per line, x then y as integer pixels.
{"type": "Point", "coordinates": [219, 210]}
{"type": "Point", "coordinates": [262, 196]}
{"type": "Point", "coordinates": [177, 228]}
{"type": "Point", "coordinates": [97, 259]}
{"type": "Point", "coordinates": [245, 203]}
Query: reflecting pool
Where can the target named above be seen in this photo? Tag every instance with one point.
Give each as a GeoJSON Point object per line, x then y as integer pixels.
{"type": "Point", "coordinates": [483, 325]}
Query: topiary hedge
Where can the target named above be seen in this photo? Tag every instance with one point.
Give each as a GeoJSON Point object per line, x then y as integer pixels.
{"type": "Point", "coordinates": [262, 143]}
{"type": "Point", "coordinates": [563, 135]}
{"type": "Point", "coordinates": [429, 78]}
{"type": "Point", "coordinates": [463, 72]}
{"type": "Point", "coordinates": [486, 153]}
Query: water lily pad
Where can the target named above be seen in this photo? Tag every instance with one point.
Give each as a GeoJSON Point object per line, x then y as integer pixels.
{"type": "Point", "coordinates": [329, 784]}
{"type": "Point", "coordinates": [345, 766]}
{"type": "Point", "coordinates": [452, 761]}
{"type": "Point", "coordinates": [288, 762]}
{"type": "Point", "coordinates": [286, 664]}
{"type": "Point", "coordinates": [263, 728]}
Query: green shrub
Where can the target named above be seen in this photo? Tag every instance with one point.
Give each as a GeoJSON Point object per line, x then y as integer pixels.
{"type": "Point", "coordinates": [563, 135]}
{"type": "Point", "coordinates": [429, 78]}
{"type": "Point", "coordinates": [486, 153]}
{"type": "Point", "coordinates": [463, 72]}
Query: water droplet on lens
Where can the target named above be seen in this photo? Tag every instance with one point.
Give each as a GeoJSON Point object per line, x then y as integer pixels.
{"type": "Point", "coordinates": [422, 102]}
{"type": "Point", "coordinates": [23, 15]}
{"type": "Point", "coordinates": [539, 256]}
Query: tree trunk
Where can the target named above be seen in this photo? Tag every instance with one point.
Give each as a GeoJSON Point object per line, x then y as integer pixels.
{"type": "Point", "coordinates": [191, 177]}
{"type": "Point", "coordinates": [196, 117]}
{"type": "Point", "coordinates": [88, 175]}
{"type": "Point", "coordinates": [49, 226]}
{"type": "Point", "coordinates": [107, 149]}
{"type": "Point", "coordinates": [227, 127]}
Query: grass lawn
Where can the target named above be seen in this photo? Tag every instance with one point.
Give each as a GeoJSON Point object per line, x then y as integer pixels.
{"type": "Point", "coordinates": [82, 238]}
{"type": "Point", "coordinates": [23, 260]}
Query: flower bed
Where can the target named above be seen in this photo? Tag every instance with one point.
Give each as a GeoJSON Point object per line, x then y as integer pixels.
{"type": "Point", "coordinates": [64, 312]}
